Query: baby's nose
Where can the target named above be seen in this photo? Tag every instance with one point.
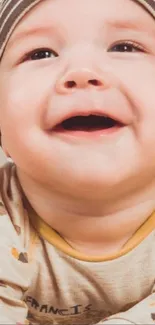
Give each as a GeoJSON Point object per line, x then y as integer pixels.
{"type": "Point", "coordinates": [77, 79]}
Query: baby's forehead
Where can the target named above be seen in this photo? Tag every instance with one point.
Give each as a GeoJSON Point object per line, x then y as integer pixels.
{"type": "Point", "coordinates": [13, 11]}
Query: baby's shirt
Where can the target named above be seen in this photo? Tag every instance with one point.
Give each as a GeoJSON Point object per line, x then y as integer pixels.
{"type": "Point", "coordinates": [45, 281]}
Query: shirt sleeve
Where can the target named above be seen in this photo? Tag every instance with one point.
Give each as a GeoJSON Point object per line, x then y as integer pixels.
{"type": "Point", "coordinates": [16, 257]}
{"type": "Point", "coordinates": [15, 274]}
{"type": "Point", "coordinates": [142, 313]}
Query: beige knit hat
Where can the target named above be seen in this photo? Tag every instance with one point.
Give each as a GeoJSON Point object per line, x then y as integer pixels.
{"type": "Point", "coordinates": [12, 11]}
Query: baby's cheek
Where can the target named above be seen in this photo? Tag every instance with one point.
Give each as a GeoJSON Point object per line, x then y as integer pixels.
{"type": "Point", "coordinates": [138, 82]}
{"type": "Point", "coordinates": [137, 73]}
{"type": "Point", "coordinates": [24, 97]}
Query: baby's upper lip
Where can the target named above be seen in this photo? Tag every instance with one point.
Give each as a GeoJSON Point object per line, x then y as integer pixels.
{"type": "Point", "coordinates": [111, 104]}
{"type": "Point", "coordinates": [87, 112]}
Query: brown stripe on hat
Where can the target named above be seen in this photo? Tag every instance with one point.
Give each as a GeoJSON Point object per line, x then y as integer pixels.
{"type": "Point", "coordinates": [149, 5]}
{"type": "Point", "coordinates": [11, 12]}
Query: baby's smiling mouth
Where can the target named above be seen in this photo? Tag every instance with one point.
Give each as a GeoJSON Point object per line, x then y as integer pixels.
{"type": "Point", "coordinates": [91, 123]}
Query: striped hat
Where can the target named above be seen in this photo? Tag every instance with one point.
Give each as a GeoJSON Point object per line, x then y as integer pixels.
{"type": "Point", "coordinates": [12, 11]}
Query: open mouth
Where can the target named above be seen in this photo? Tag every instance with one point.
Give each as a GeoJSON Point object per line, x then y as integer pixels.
{"type": "Point", "coordinates": [88, 123]}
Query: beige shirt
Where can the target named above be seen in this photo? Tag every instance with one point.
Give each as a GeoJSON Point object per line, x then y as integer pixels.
{"type": "Point", "coordinates": [45, 281]}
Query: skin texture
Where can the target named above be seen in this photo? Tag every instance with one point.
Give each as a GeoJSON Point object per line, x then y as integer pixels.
{"type": "Point", "coordinates": [95, 191]}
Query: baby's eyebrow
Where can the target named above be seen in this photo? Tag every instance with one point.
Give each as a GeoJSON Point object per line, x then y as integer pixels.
{"type": "Point", "coordinates": [26, 33]}
{"type": "Point", "coordinates": [132, 24]}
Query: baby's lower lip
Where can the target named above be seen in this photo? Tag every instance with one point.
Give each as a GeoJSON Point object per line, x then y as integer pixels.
{"type": "Point", "coordinates": [94, 133]}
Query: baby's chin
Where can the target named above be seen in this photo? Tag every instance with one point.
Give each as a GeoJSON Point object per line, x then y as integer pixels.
{"type": "Point", "coordinates": [90, 183]}
{"type": "Point", "coordinates": [90, 170]}
{"type": "Point", "coordinates": [99, 181]}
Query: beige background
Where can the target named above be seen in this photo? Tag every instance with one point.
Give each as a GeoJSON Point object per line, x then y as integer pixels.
{"type": "Point", "coordinates": [2, 157]}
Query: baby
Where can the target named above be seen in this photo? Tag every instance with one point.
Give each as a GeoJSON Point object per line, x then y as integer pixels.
{"type": "Point", "coordinates": [77, 200]}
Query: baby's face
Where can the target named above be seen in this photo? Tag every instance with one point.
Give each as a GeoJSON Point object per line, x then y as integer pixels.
{"type": "Point", "coordinates": [79, 57]}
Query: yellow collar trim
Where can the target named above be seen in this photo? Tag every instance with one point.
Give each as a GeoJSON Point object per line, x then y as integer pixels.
{"type": "Point", "coordinates": [47, 233]}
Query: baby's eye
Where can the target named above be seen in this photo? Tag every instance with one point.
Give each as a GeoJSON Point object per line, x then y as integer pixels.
{"type": "Point", "coordinates": [40, 54]}
{"type": "Point", "coordinates": [126, 47]}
